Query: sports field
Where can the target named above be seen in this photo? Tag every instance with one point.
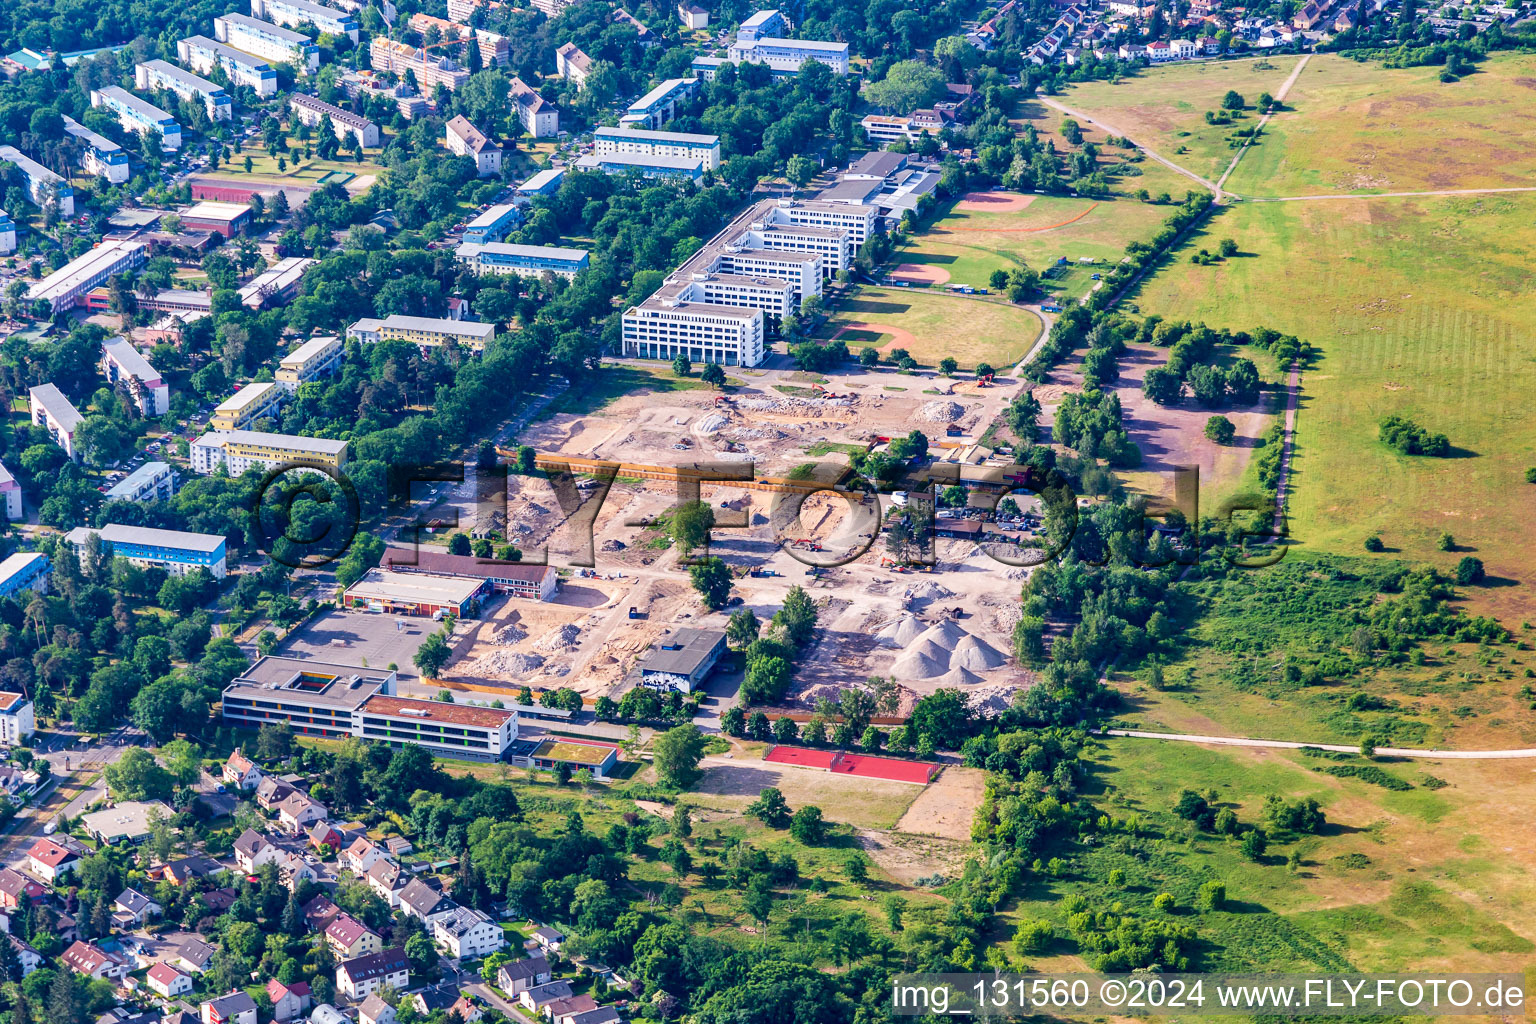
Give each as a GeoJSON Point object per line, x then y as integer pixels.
{"type": "Point", "coordinates": [1164, 108]}
{"type": "Point", "coordinates": [1359, 127]}
{"type": "Point", "coordinates": [1423, 307]}
{"type": "Point", "coordinates": [862, 765]}
{"type": "Point", "coordinates": [931, 325]}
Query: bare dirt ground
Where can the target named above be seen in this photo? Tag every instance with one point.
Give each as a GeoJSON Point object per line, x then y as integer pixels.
{"type": "Point", "coordinates": [1000, 202]}
{"type": "Point", "coordinates": [908, 858]}
{"type": "Point", "coordinates": [947, 806]}
{"type": "Point", "coordinates": [918, 273]}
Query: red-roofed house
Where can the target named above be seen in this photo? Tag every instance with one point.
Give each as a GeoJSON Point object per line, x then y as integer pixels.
{"type": "Point", "coordinates": [288, 1001]}
{"type": "Point", "coordinates": [241, 772]}
{"type": "Point", "coordinates": [51, 860]}
{"type": "Point", "coordinates": [17, 890]}
{"type": "Point", "coordinates": [94, 962]}
{"type": "Point", "coordinates": [348, 938]}
{"type": "Point", "coordinates": [167, 981]}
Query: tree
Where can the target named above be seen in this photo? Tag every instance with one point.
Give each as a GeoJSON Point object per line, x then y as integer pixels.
{"type": "Point", "coordinates": [870, 357]}
{"type": "Point", "coordinates": [948, 365]}
{"type": "Point", "coordinates": [1233, 100]}
{"type": "Point", "coordinates": [676, 755]}
{"type": "Point", "coordinates": [1220, 430]}
{"type": "Point", "coordinates": [908, 85]}
{"type": "Point", "coordinates": [712, 579]}
{"type": "Point", "coordinates": [421, 953]}
{"type": "Point", "coordinates": [691, 523]}
{"type": "Point", "coordinates": [1374, 543]}
{"type": "Point", "coordinates": [742, 627]}
{"type": "Point", "coordinates": [1212, 896]}
{"type": "Point", "coordinates": [682, 365]}
{"type": "Point", "coordinates": [713, 374]}
{"type": "Point", "coordinates": [770, 808]}
{"type": "Point", "coordinates": [800, 170]}
{"type": "Point", "coordinates": [432, 655]}
{"type": "Point", "coordinates": [808, 826]}
{"type": "Point", "coordinates": [1227, 248]}
{"type": "Point", "coordinates": [1446, 542]}
{"type": "Point", "coordinates": [1469, 570]}
{"type": "Point", "coordinates": [138, 776]}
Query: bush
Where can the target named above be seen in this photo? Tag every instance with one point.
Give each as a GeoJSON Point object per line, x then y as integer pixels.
{"type": "Point", "coordinates": [1373, 543]}
{"type": "Point", "coordinates": [1406, 437]}
{"type": "Point", "coordinates": [1213, 896]}
{"type": "Point", "coordinates": [1163, 903]}
{"type": "Point", "coordinates": [1469, 570]}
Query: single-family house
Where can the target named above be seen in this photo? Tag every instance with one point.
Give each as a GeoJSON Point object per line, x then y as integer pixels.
{"type": "Point", "coordinates": [253, 849]}
{"type": "Point", "coordinates": [270, 792]}
{"type": "Point", "coordinates": [51, 859]}
{"type": "Point", "coordinates": [424, 901]}
{"type": "Point", "coordinates": [29, 958]}
{"type": "Point", "coordinates": [325, 836]}
{"type": "Point", "coordinates": [193, 955]}
{"type": "Point", "coordinates": [298, 812]}
{"type": "Point", "coordinates": [375, 1011]}
{"type": "Point", "coordinates": [549, 939]}
{"type": "Point", "coordinates": [133, 908]}
{"type": "Point", "coordinates": [361, 977]}
{"type": "Point", "coordinates": [92, 961]}
{"type": "Point", "coordinates": [320, 912]}
{"type": "Point", "coordinates": [601, 1015]}
{"type": "Point", "coordinates": [540, 996]}
{"type": "Point", "coordinates": [348, 937]}
{"type": "Point", "coordinates": [168, 981]}
{"type": "Point", "coordinates": [235, 1008]}
{"type": "Point", "coordinates": [564, 1009]}
{"type": "Point", "coordinates": [17, 890]}
{"type": "Point", "coordinates": [288, 1001]}
{"type": "Point", "coordinates": [241, 772]}
{"type": "Point", "coordinates": [388, 879]}
{"type": "Point", "coordinates": [180, 872]}
{"type": "Point", "coordinates": [361, 856]}
{"type": "Point", "coordinates": [516, 976]}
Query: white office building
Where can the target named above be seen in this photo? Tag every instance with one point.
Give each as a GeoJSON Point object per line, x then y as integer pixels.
{"type": "Point", "coordinates": [785, 56]}
{"type": "Point", "coordinates": [120, 361]}
{"type": "Point", "coordinates": [203, 55]}
{"type": "Point", "coordinates": [99, 155]}
{"type": "Point", "coordinates": [62, 288]}
{"type": "Point", "coordinates": [665, 329]}
{"type": "Point", "coordinates": [267, 41]}
{"type": "Point", "coordinates": [705, 149]}
{"type": "Point", "coordinates": [159, 74]}
{"type": "Point", "coordinates": [294, 13]}
{"type": "Point", "coordinates": [139, 117]}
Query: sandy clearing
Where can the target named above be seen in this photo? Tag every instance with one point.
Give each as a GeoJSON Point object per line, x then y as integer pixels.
{"type": "Point", "coordinates": [919, 273]}
{"type": "Point", "coordinates": [996, 201]}
{"type": "Point", "coordinates": [947, 806]}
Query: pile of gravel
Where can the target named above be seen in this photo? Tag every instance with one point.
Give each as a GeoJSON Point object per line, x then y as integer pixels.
{"type": "Point", "coordinates": [940, 412]}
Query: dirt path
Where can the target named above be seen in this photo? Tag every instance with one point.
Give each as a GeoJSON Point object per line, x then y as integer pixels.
{"type": "Point", "coordinates": [1282, 483]}
{"type": "Point", "coordinates": [1259, 128]}
{"type": "Point", "coordinates": [1243, 741]}
{"type": "Point", "coordinates": [1112, 130]}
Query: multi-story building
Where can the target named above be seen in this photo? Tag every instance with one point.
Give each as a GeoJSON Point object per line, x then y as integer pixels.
{"type": "Point", "coordinates": [360, 978]}
{"type": "Point", "coordinates": [120, 361]}
{"type": "Point", "coordinates": [7, 234]}
{"type": "Point", "coordinates": [693, 17]}
{"type": "Point", "coordinates": [159, 74]}
{"type": "Point", "coordinates": [277, 283]}
{"type": "Point", "coordinates": [176, 551]}
{"type": "Point", "coordinates": [99, 155]}
{"type": "Point", "coordinates": [430, 71]}
{"type": "Point", "coordinates": [253, 402]}
{"type": "Point", "coordinates": [545, 183]}
{"type": "Point", "coordinates": [572, 63]}
{"type": "Point", "coordinates": [63, 288]}
{"type": "Point", "coordinates": [494, 48]}
{"type": "Point", "coordinates": [464, 139]}
{"type": "Point", "coordinates": [179, 300]}
{"type": "Point", "coordinates": [203, 55]}
{"type": "Point", "coordinates": [462, 11]}
{"type": "Point", "coordinates": [10, 496]}
{"type": "Point", "coordinates": [659, 106]}
{"type": "Point", "coordinates": [311, 111]}
{"type": "Point", "coordinates": [294, 13]}
{"type": "Point", "coordinates": [467, 731]}
{"type": "Point", "coordinates": [702, 148]}
{"type": "Point", "coordinates": [788, 55]}
{"type": "Point", "coordinates": [493, 224]}
{"type": "Point", "coordinates": [763, 23]}
{"type": "Point", "coordinates": [49, 408]}
{"type": "Point", "coordinates": [666, 328]}
{"type": "Point", "coordinates": [427, 332]}
{"type": "Point", "coordinates": [139, 117]}
{"type": "Point", "coordinates": [267, 41]}
{"type": "Point", "coordinates": [539, 117]}
{"type": "Point", "coordinates": [467, 933]}
{"type": "Point", "coordinates": [315, 697]}
{"type": "Point", "coordinates": [312, 360]}
{"type": "Point", "coordinates": [25, 570]}
{"type": "Point", "coordinates": [858, 220]}
{"type": "Point", "coordinates": [239, 450]}
{"type": "Point", "coordinates": [527, 260]}
{"type": "Point", "coordinates": [43, 186]}
{"type": "Point", "coordinates": [680, 168]}
{"type": "Point", "coordinates": [153, 481]}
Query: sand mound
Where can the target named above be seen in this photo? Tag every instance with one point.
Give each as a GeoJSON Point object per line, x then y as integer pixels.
{"type": "Point", "coordinates": [959, 676]}
{"type": "Point", "coordinates": [560, 639]}
{"type": "Point", "coordinates": [709, 424]}
{"type": "Point", "coordinates": [926, 591]}
{"type": "Point", "coordinates": [946, 634]}
{"type": "Point", "coordinates": [505, 663]}
{"type": "Point", "coordinates": [924, 662]}
{"type": "Point", "coordinates": [900, 632]}
{"type": "Point", "coordinates": [940, 412]}
{"type": "Point", "coordinates": [976, 654]}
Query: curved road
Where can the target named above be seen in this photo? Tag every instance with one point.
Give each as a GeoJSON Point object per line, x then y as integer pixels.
{"type": "Point", "coordinates": [1243, 741]}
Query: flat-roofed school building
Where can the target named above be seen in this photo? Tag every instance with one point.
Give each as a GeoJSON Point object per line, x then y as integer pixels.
{"type": "Point", "coordinates": [317, 698]}
{"type": "Point", "coordinates": [416, 593]}
{"type": "Point", "coordinates": [466, 731]}
{"type": "Point", "coordinates": [531, 582]}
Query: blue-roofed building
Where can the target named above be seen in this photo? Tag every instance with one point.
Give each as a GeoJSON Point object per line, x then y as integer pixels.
{"type": "Point", "coordinates": [137, 116]}
{"type": "Point", "coordinates": [99, 155]}
{"type": "Point", "coordinates": [677, 167]}
{"type": "Point", "coordinates": [526, 260]}
{"type": "Point", "coordinates": [175, 551]}
{"type": "Point", "coordinates": [153, 481]}
{"type": "Point", "coordinates": [545, 183]}
{"type": "Point", "coordinates": [25, 570]}
{"type": "Point", "coordinates": [659, 105]}
{"type": "Point", "coordinates": [493, 224]}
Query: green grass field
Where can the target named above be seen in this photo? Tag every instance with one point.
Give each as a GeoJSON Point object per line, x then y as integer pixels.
{"type": "Point", "coordinates": [1164, 108]}
{"type": "Point", "coordinates": [613, 382]}
{"type": "Point", "coordinates": [931, 325]}
{"type": "Point", "coordinates": [1421, 307]}
{"type": "Point", "coordinates": [1359, 127]}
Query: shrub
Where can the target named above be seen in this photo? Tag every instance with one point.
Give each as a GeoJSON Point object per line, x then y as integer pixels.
{"type": "Point", "coordinates": [1373, 543]}
{"type": "Point", "coordinates": [1213, 896]}
{"type": "Point", "coordinates": [1408, 438]}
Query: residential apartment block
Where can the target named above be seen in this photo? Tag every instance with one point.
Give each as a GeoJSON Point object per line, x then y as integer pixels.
{"type": "Point", "coordinates": [267, 41]}
{"type": "Point", "coordinates": [464, 139]}
{"type": "Point", "coordinates": [786, 56]}
{"type": "Point", "coordinates": [10, 496]}
{"type": "Point", "coordinates": [24, 570]}
{"type": "Point", "coordinates": [176, 551]}
{"type": "Point", "coordinates": [7, 234]}
{"type": "Point", "coordinates": [153, 481]}
{"type": "Point", "coordinates": [539, 117]}
{"type": "Point", "coordinates": [159, 74]}
{"type": "Point", "coordinates": [430, 71]}
{"type": "Point", "coordinates": [572, 63]}
{"type": "Point", "coordinates": [702, 148]}
{"type": "Point", "coordinates": [252, 402]}
{"type": "Point", "coordinates": [674, 167]}
{"type": "Point", "coordinates": [311, 111]}
{"type": "Point", "coordinates": [494, 48]}
{"type": "Point", "coordinates": [137, 116]}
{"type": "Point", "coordinates": [294, 13]}
{"type": "Point", "coordinates": [99, 155]}
{"type": "Point", "coordinates": [427, 332]}
{"type": "Point", "coordinates": [49, 408]}
{"type": "Point", "coordinates": [312, 360]}
{"type": "Point", "coordinates": [277, 283]}
{"type": "Point", "coordinates": [239, 450]}
{"type": "Point", "coordinates": [120, 361]}
{"type": "Point", "coordinates": [493, 224]}
{"type": "Point", "coordinates": [43, 186]}
{"type": "Point", "coordinates": [660, 105]}
{"type": "Point", "coordinates": [527, 260]}
{"type": "Point", "coordinates": [203, 55]}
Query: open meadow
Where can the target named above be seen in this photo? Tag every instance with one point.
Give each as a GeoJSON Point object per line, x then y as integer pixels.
{"type": "Point", "coordinates": [930, 325]}
{"type": "Point", "coordinates": [1354, 126]}
{"type": "Point", "coordinates": [1164, 108]}
{"type": "Point", "coordinates": [1423, 308]}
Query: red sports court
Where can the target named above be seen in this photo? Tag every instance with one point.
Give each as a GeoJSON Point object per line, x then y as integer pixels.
{"type": "Point", "coordinates": [863, 765]}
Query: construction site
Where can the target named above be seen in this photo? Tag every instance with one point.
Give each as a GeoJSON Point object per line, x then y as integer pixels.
{"type": "Point", "coordinates": [623, 589]}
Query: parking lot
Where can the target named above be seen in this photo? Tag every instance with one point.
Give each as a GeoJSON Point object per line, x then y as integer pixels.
{"type": "Point", "coordinates": [361, 640]}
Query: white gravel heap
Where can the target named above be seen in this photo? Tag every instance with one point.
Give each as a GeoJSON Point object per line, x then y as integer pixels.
{"type": "Point", "coordinates": [900, 631]}
{"type": "Point", "coordinates": [508, 635]}
{"type": "Point", "coordinates": [941, 412]}
{"type": "Point", "coordinates": [947, 652]}
{"type": "Point", "coordinates": [561, 639]}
